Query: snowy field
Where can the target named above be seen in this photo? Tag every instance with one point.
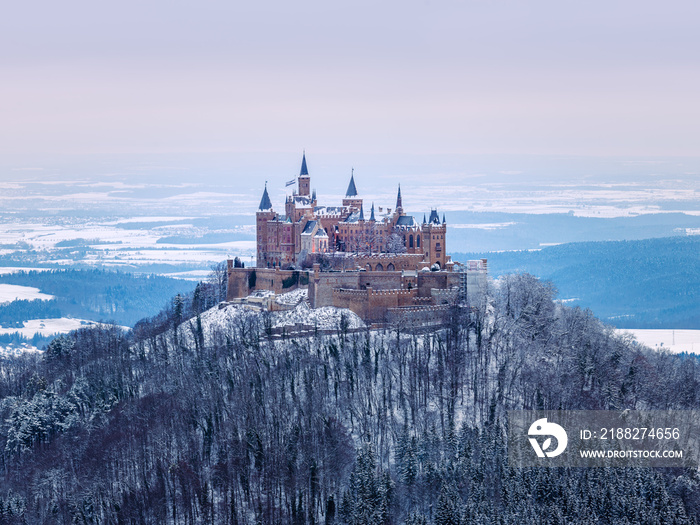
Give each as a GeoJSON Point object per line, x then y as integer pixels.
{"type": "Point", "coordinates": [45, 327]}
{"type": "Point", "coordinates": [48, 327]}
{"type": "Point", "coordinates": [4, 270]}
{"type": "Point", "coordinates": [12, 292]}
{"type": "Point", "coordinates": [675, 341]}
{"type": "Point", "coordinates": [105, 243]}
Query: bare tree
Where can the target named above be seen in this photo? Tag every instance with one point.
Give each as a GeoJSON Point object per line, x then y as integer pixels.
{"type": "Point", "coordinates": [219, 278]}
{"type": "Point", "coordinates": [395, 243]}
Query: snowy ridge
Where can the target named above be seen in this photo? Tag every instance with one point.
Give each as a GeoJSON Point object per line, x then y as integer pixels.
{"type": "Point", "coordinates": [225, 317]}
{"type": "Point", "coordinates": [292, 298]}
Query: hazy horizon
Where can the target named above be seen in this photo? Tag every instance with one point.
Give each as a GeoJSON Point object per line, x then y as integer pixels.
{"type": "Point", "coordinates": [349, 79]}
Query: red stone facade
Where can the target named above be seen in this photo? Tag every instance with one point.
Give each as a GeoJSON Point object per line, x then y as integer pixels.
{"type": "Point", "coordinates": [285, 241]}
{"type": "Point", "coordinates": [392, 265]}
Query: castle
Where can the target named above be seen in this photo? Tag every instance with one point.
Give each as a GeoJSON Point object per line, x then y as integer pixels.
{"type": "Point", "coordinates": [375, 263]}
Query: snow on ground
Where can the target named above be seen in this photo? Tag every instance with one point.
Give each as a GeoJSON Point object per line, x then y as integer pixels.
{"type": "Point", "coordinates": [193, 275]}
{"type": "Point", "coordinates": [46, 327]}
{"type": "Point", "coordinates": [233, 315]}
{"type": "Point", "coordinates": [675, 341]}
{"type": "Point", "coordinates": [16, 351]}
{"type": "Point", "coordinates": [326, 318]}
{"type": "Point", "coordinates": [4, 270]}
{"type": "Point", "coordinates": [292, 298]}
{"type": "Point", "coordinates": [12, 292]}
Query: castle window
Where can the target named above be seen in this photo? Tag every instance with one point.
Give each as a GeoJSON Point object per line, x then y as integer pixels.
{"type": "Point", "coordinates": [417, 241]}
{"type": "Point", "coordinates": [410, 241]}
{"type": "Point", "coordinates": [379, 267]}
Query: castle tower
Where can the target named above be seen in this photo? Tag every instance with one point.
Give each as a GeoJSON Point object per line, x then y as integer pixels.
{"type": "Point", "coordinates": [264, 214]}
{"type": "Point", "coordinates": [351, 199]}
{"type": "Point", "coordinates": [304, 179]}
{"type": "Point", "coordinates": [399, 204]}
{"type": "Point", "coordinates": [434, 239]}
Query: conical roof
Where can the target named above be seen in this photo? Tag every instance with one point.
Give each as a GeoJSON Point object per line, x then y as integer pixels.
{"type": "Point", "coordinates": [304, 169]}
{"type": "Point", "coordinates": [265, 203]}
{"type": "Point", "coordinates": [352, 190]}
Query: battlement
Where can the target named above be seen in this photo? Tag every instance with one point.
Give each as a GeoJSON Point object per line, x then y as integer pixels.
{"type": "Point", "coordinates": [385, 293]}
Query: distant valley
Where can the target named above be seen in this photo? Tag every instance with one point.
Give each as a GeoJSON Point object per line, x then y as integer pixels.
{"type": "Point", "coordinates": [649, 283]}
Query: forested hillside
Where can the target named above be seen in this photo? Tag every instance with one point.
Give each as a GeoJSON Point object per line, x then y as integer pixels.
{"type": "Point", "coordinates": [165, 425]}
{"type": "Point", "coordinates": [651, 283]}
{"type": "Point", "coordinates": [97, 295]}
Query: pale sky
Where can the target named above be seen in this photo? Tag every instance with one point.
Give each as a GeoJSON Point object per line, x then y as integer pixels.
{"type": "Point", "coordinates": [549, 77]}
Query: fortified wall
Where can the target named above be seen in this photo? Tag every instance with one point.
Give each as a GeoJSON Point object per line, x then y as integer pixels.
{"type": "Point", "coordinates": [244, 281]}
{"type": "Point", "coordinates": [385, 262]}
{"type": "Point", "coordinates": [376, 296]}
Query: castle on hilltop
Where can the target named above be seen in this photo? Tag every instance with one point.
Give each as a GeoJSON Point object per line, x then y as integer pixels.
{"type": "Point", "coordinates": [378, 263]}
{"type": "Point", "coordinates": [285, 241]}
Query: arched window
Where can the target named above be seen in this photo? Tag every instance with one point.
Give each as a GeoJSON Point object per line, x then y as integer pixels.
{"type": "Point", "coordinates": [390, 268]}
{"type": "Point", "coordinates": [369, 267]}
{"type": "Point", "coordinates": [379, 267]}
{"type": "Point", "coordinates": [410, 241]}
{"type": "Point", "coordinates": [417, 241]}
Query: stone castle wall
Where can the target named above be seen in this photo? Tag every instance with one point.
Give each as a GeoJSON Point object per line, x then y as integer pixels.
{"type": "Point", "coordinates": [376, 296]}
{"type": "Point", "coordinates": [278, 281]}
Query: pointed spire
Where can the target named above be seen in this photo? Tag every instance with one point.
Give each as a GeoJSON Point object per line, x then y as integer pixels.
{"type": "Point", "coordinates": [304, 169]}
{"type": "Point", "coordinates": [313, 195]}
{"type": "Point", "coordinates": [371, 217]}
{"type": "Point", "coordinates": [362, 213]}
{"type": "Point", "coordinates": [265, 203]}
{"type": "Point", "coordinates": [443, 218]}
{"type": "Point", "coordinates": [398, 199]}
{"type": "Point", "coordinates": [352, 190]}
{"type": "Point", "coordinates": [424, 221]}
{"type": "Point", "coordinates": [434, 217]}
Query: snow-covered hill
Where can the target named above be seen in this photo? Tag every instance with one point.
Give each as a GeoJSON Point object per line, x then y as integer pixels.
{"type": "Point", "coordinates": [228, 317]}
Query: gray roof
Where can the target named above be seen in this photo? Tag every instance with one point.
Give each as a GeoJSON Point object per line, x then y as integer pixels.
{"type": "Point", "coordinates": [265, 203]}
{"type": "Point", "coordinates": [304, 169]}
{"type": "Point", "coordinates": [352, 190]}
{"type": "Point", "coordinates": [301, 201]}
{"type": "Point", "coordinates": [434, 217]}
{"type": "Point", "coordinates": [406, 220]}
{"type": "Point", "coordinates": [353, 217]}
{"type": "Point", "coordinates": [309, 227]}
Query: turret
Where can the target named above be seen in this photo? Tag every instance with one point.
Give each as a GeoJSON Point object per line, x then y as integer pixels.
{"type": "Point", "coordinates": [351, 199]}
{"type": "Point", "coordinates": [304, 179]}
{"type": "Point", "coordinates": [265, 203]}
{"type": "Point", "coordinates": [264, 214]}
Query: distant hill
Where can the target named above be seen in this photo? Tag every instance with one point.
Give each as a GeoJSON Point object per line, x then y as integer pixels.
{"type": "Point", "coordinates": [96, 295]}
{"type": "Point", "coordinates": [651, 283]}
{"type": "Point", "coordinates": [494, 231]}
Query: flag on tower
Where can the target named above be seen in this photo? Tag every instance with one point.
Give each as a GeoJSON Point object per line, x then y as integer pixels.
{"type": "Point", "coordinates": [290, 182]}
